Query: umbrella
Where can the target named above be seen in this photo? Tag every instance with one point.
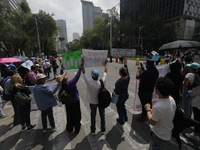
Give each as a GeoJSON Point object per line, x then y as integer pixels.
{"type": "Point", "coordinates": [9, 60]}
{"type": "Point", "coordinates": [180, 43]}
{"type": "Point", "coordinates": [23, 58]}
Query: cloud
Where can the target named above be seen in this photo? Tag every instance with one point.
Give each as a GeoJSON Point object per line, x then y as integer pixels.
{"type": "Point", "coordinates": [69, 10]}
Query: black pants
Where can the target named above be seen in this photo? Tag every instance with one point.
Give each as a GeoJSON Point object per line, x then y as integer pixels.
{"type": "Point", "coordinates": [15, 105]}
{"type": "Point", "coordinates": [24, 112]}
{"type": "Point", "coordinates": [145, 97]}
{"type": "Point", "coordinates": [196, 112]}
{"type": "Point", "coordinates": [73, 113]}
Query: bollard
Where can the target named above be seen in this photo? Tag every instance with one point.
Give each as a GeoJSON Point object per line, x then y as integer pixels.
{"type": "Point", "coordinates": [137, 61]}
{"type": "Point", "coordinates": [162, 61]}
{"type": "Point", "coordinates": [116, 59]}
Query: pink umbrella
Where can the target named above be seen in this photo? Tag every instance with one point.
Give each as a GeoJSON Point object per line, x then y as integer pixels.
{"type": "Point", "coordinates": [9, 60]}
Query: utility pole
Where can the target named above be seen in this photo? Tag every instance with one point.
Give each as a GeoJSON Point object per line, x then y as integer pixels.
{"type": "Point", "coordinates": [38, 36]}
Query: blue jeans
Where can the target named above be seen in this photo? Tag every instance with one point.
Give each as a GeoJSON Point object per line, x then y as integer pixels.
{"type": "Point", "coordinates": [48, 113]}
{"type": "Point", "coordinates": [93, 108]}
{"type": "Point", "coordinates": [186, 102]}
{"type": "Point", "coordinates": [121, 108]}
{"type": "Point", "coordinates": [157, 143]}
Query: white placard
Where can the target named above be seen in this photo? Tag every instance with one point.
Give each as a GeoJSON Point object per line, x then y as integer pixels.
{"type": "Point", "coordinates": [94, 58]}
{"type": "Point", "coordinates": [123, 52]}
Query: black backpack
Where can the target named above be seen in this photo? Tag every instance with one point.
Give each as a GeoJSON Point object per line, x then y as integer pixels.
{"type": "Point", "coordinates": [104, 96]}
{"type": "Point", "coordinates": [21, 98]}
{"type": "Point", "coordinates": [64, 97]}
{"type": "Point", "coordinates": [196, 81]}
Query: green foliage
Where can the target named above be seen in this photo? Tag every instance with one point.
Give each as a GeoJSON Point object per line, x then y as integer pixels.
{"type": "Point", "coordinates": [19, 33]}
{"type": "Point", "coordinates": [73, 46]}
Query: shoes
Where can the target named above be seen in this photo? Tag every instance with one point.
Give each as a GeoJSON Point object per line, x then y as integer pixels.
{"type": "Point", "coordinates": [93, 133]}
{"type": "Point", "coordinates": [139, 119]}
{"type": "Point", "coordinates": [44, 131]}
{"type": "Point", "coordinates": [192, 136]}
{"type": "Point", "coordinates": [4, 116]}
{"type": "Point", "coordinates": [30, 128]}
{"type": "Point", "coordinates": [23, 128]}
{"type": "Point", "coordinates": [103, 132]}
{"type": "Point", "coordinates": [53, 129]}
{"type": "Point", "coordinates": [119, 122]}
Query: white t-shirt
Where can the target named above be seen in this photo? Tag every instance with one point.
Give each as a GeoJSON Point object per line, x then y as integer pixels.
{"type": "Point", "coordinates": [163, 112]}
{"type": "Point", "coordinates": [190, 76]}
{"type": "Point", "coordinates": [93, 87]}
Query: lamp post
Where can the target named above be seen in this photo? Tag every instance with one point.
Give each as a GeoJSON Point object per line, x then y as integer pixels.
{"type": "Point", "coordinates": [38, 36]}
{"type": "Point", "coordinates": [139, 37]}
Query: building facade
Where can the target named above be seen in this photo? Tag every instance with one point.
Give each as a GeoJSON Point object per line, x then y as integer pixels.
{"type": "Point", "coordinates": [76, 36]}
{"type": "Point", "coordinates": [184, 13]}
{"type": "Point", "coordinates": [89, 12]}
{"type": "Point", "coordinates": [62, 39]}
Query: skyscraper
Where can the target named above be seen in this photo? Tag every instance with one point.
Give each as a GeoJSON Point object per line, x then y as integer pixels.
{"type": "Point", "coordinates": [62, 37]}
{"type": "Point", "coordinates": [184, 13]}
{"type": "Point", "coordinates": [76, 36]}
{"type": "Point", "coordinates": [90, 12]}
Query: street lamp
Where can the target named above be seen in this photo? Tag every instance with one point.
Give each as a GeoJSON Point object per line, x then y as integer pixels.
{"type": "Point", "coordinates": [139, 37]}
{"type": "Point", "coordinates": [38, 36]}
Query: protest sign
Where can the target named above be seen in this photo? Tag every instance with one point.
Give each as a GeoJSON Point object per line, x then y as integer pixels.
{"type": "Point", "coordinates": [123, 52]}
{"type": "Point", "coordinates": [163, 70]}
{"type": "Point", "coordinates": [94, 58]}
{"type": "Point", "coordinates": [27, 64]}
{"type": "Point", "coordinates": [71, 60]}
{"type": "Point", "coordinates": [156, 57]}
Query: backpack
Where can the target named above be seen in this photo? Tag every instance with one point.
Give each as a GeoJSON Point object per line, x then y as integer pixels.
{"type": "Point", "coordinates": [104, 96]}
{"type": "Point", "coordinates": [21, 98]}
{"type": "Point", "coordinates": [196, 81]}
{"type": "Point", "coordinates": [64, 97]}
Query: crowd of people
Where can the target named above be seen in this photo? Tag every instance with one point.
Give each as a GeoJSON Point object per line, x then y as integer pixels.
{"type": "Point", "coordinates": [178, 88]}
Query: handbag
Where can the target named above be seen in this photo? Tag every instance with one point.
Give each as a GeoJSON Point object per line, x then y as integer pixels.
{"type": "Point", "coordinates": [115, 98]}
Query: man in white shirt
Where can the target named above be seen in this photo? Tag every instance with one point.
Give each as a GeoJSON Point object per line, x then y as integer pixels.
{"type": "Point", "coordinates": [161, 115]}
{"type": "Point", "coordinates": [93, 86]}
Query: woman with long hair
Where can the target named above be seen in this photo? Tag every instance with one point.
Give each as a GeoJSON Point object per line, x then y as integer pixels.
{"type": "Point", "coordinates": [24, 110]}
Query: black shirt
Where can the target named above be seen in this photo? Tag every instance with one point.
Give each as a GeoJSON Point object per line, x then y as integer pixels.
{"type": "Point", "coordinates": [148, 79]}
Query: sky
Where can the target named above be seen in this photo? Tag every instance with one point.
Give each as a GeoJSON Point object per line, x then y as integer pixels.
{"type": "Point", "coordinates": [69, 10]}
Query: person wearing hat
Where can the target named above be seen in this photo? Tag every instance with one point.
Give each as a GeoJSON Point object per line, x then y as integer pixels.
{"type": "Point", "coordinates": [93, 86]}
{"type": "Point", "coordinates": [191, 81]}
{"type": "Point", "coordinates": [147, 79]}
{"type": "Point", "coordinates": [121, 89]}
{"type": "Point", "coordinates": [73, 110]}
{"type": "Point", "coordinates": [45, 100]}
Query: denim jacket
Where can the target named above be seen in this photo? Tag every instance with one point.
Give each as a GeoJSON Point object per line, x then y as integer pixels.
{"type": "Point", "coordinates": [44, 96]}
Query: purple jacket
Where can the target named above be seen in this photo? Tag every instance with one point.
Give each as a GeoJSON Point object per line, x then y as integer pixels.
{"type": "Point", "coordinates": [71, 87]}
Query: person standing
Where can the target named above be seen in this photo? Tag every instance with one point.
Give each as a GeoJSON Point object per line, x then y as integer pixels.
{"type": "Point", "coordinates": [121, 89]}
{"type": "Point", "coordinates": [146, 86]}
{"type": "Point", "coordinates": [73, 110]}
{"type": "Point", "coordinates": [45, 100]}
{"type": "Point", "coordinates": [93, 87]}
{"type": "Point", "coordinates": [30, 78]}
{"type": "Point", "coordinates": [24, 111]}
{"type": "Point", "coordinates": [161, 115]}
{"type": "Point", "coordinates": [54, 66]}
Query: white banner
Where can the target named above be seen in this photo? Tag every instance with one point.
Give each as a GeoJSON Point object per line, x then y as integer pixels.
{"type": "Point", "coordinates": [94, 58]}
{"type": "Point", "coordinates": [163, 70]}
{"type": "Point", "coordinates": [27, 64]}
{"type": "Point", "coordinates": [123, 52]}
{"type": "Point", "coordinates": [33, 102]}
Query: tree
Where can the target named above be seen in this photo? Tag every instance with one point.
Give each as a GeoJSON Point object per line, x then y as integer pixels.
{"type": "Point", "coordinates": [74, 45]}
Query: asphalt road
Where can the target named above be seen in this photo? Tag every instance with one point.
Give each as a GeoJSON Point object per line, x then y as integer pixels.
{"type": "Point", "coordinates": [133, 135]}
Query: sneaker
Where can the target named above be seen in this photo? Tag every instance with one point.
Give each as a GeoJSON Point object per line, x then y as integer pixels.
{"type": "Point", "coordinates": [23, 128]}
{"type": "Point", "coordinates": [44, 130]}
{"type": "Point", "coordinates": [93, 133]}
{"type": "Point", "coordinates": [30, 128]}
{"type": "Point", "coordinates": [53, 129]}
{"type": "Point", "coordinates": [119, 122]}
{"type": "Point", "coordinates": [192, 136]}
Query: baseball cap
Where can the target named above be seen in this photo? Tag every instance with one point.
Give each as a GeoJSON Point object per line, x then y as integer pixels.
{"type": "Point", "coordinates": [40, 76]}
{"type": "Point", "coordinates": [37, 65]}
{"type": "Point", "coordinates": [95, 73]}
{"type": "Point", "coordinates": [194, 65]}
